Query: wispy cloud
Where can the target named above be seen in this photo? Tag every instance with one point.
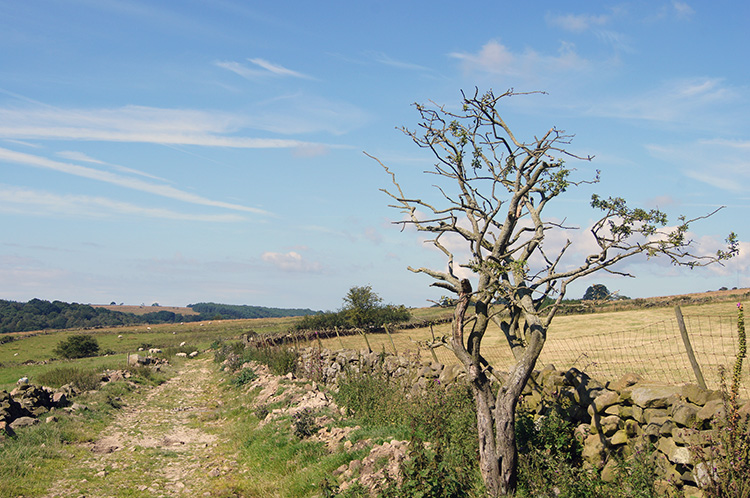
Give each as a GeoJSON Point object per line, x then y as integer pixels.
{"type": "Point", "coordinates": [291, 262]}
{"type": "Point", "coordinates": [389, 61]}
{"type": "Point", "coordinates": [701, 159]}
{"type": "Point", "coordinates": [119, 180]}
{"type": "Point", "coordinates": [43, 203]}
{"type": "Point", "coordinates": [683, 10]}
{"type": "Point", "coordinates": [693, 101]}
{"type": "Point", "coordinates": [261, 68]}
{"type": "Point", "coordinates": [135, 124]}
{"type": "Point", "coordinates": [81, 157]}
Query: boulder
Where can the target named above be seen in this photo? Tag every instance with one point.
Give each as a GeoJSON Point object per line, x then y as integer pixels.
{"type": "Point", "coordinates": [685, 414]}
{"type": "Point", "coordinates": [675, 454]}
{"type": "Point", "coordinates": [593, 451]}
{"type": "Point", "coordinates": [23, 422]}
{"type": "Point", "coordinates": [604, 400]}
{"type": "Point", "coordinates": [653, 396]}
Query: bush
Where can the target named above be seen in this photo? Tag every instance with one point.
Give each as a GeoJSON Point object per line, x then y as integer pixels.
{"type": "Point", "coordinates": [77, 346]}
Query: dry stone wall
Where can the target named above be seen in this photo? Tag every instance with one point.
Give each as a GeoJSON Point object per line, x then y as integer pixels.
{"type": "Point", "coordinates": [611, 419]}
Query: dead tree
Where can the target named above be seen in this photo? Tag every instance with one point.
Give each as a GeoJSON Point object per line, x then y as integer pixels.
{"type": "Point", "coordinates": [491, 194]}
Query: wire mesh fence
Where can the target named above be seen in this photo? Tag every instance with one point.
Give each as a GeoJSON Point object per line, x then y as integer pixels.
{"type": "Point", "coordinates": [656, 352]}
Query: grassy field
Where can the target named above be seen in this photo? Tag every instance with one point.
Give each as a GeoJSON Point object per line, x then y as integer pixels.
{"type": "Point", "coordinates": [142, 310]}
{"type": "Point", "coordinates": [606, 344]}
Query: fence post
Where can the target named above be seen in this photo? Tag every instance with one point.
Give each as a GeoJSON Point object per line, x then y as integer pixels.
{"type": "Point", "coordinates": [432, 345]}
{"type": "Point", "coordinates": [364, 334]}
{"type": "Point", "coordinates": [689, 348]}
{"type": "Point", "coordinates": [391, 339]}
{"type": "Point", "coordinates": [339, 336]}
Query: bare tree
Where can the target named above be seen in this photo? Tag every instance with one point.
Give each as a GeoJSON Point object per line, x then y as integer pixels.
{"type": "Point", "coordinates": [492, 193]}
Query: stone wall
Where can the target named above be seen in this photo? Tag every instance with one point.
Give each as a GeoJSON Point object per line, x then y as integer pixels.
{"type": "Point", "coordinates": [611, 419]}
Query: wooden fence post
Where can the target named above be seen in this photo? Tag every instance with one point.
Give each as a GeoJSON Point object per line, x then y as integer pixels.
{"type": "Point", "coordinates": [364, 334]}
{"type": "Point", "coordinates": [339, 336]}
{"type": "Point", "coordinates": [689, 348]}
{"type": "Point", "coordinates": [391, 339]}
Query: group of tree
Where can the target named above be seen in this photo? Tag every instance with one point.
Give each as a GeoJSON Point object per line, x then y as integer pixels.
{"type": "Point", "coordinates": [492, 191]}
{"type": "Point", "coordinates": [38, 314]}
{"type": "Point", "coordinates": [362, 309]}
{"type": "Point", "coordinates": [233, 311]}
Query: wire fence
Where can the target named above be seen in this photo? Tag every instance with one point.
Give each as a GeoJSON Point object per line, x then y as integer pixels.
{"type": "Point", "coordinates": [656, 352]}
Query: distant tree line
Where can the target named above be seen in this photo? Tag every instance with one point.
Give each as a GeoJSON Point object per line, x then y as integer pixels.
{"type": "Point", "coordinates": [233, 311]}
{"type": "Point", "coordinates": [39, 314]}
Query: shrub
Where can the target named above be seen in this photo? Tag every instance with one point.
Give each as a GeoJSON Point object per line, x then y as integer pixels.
{"type": "Point", "coordinates": [77, 346]}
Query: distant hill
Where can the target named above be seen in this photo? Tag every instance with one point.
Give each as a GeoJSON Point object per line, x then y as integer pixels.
{"type": "Point", "coordinates": [233, 311]}
{"type": "Point", "coordinates": [38, 314]}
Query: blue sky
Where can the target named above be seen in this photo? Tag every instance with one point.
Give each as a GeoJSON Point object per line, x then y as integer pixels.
{"type": "Point", "coordinates": [178, 152]}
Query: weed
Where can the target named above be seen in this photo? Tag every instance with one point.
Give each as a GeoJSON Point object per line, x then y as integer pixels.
{"type": "Point", "coordinates": [304, 423]}
{"type": "Point", "coordinates": [142, 374]}
{"type": "Point", "coordinates": [261, 412]}
{"type": "Point", "coordinates": [426, 474]}
{"type": "Point", "coordinates": [724, 465]}
{"type": "Point", "coordinates": [373, 399]}
{"type": "Point", "coordinates": [246, 375]}
{"type": "Point", "coordinates": [280, 359]}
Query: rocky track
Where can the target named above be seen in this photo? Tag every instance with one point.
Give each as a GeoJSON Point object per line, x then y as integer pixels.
{"type": "Point", "coordinates": [169, 443]}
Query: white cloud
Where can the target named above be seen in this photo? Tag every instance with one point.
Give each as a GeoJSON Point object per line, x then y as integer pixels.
{"type": "Point", "coordinates": [42, 203]}
{"type": "Point", "coordinates": [122, 181]}
{"type": "Point", "coordinates": [496, 58]}
{"type": "Point", "coordinates": [291, 262]}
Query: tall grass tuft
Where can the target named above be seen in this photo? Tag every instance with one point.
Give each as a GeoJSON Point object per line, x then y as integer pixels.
{"type": "Point", "coordinates": [83, 379]}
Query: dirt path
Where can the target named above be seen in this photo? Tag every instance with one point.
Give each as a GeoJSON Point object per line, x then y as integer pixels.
{"type": "Point", "coordinates": [169, 443]}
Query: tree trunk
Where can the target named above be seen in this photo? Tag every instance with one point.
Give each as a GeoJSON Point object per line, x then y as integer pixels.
{"type": "Point", "coordinates": [505, 440]}
{"type": "Point", "coordinates": [489, 464]}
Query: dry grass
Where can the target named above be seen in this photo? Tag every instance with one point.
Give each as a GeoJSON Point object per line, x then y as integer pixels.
{"type": "Point", "coordinates": [605, 345]}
